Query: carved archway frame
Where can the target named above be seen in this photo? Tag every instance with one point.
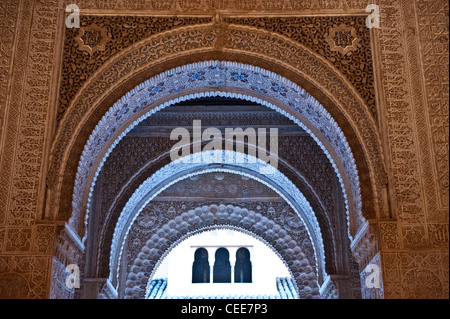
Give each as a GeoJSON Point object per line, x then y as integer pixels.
{"type": "Point", "coordinates": [105, 238]}
{"type": "Point", "coordinates": [291, 255]}
{"type": "Point", "coordinates": [179, 170]}
{"type": "Point", "coordinates": [207, 42]}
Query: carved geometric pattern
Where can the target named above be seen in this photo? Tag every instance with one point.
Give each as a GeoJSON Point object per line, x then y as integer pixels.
{"type": "Point", "coordinates": [433, 28]}
{"type": "Point", "coordinates": [181, 6]}
{"type": "Point", "coordinates": [24, 138]}
{"type": "Point", "coordinates": [403, 147]}
{"type": "Point", "coordinates": [415, 81]}
{"type": "Point", "coordinates": [81, 110]}
{"type": "Point", "coordinates": [414, 57]}
{"type": "Point", "coordinates": [58, 287]}
{"type": "Point", "coordinates": [111, 35]}
{"type": "Point", "coordinates": [8, 17]}
{"type": "Point", "coordinates": [415, 274]}
{"type": "Point", "coordinates": [158, 213]}
{"type": "Point", "coordinates": [13, 286]}
{"type": "Point", "coordinates": [134, 152]}
{"type": "Point", "coordinates": [421, 282]}
{"type": "Point", "coordinates": [45, 235]}
{"type": "Point", "coordinates": [354, 60]}
{"type": "Point", "coordinates": [372, 292]}
{"type": "Point", "coordinates": [356, 67]}
{"type": "Point", "coordinates": [220, 216]}
{"type": "Point", "coordinates": [92, 39]}
{"type": "Point", "coordinates": [2, 238]}
{"type": "Point", "coordinates": [438, 234]}
{"type": "Point", "coordinates": [19, 239]}
{"type": "Point", "coordinates": [414, 236]}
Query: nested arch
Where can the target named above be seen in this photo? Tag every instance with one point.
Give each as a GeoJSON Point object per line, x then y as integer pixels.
{"type": "Point", "coordinates": [182, 169]}
{"type": "Point", "coordinates": [134, 64]}
{"type": "Point", "coordinates": [331, 245]}
{"type": "Point", "coordinates": [243, 266]}
{"type": "Point", "coordinates": [275, 90]}
{"type": "Point", "coordinates": [231, 217]}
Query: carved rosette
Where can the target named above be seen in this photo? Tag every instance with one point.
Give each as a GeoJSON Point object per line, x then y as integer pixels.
{"type": "Point", "coordinates": [92, 38]}
{"type": "Point", "coordinates": [343, 39]}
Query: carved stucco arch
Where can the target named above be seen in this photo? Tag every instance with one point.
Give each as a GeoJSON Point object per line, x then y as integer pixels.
{"type": "Point", "coordinates": [200, 43]}
{"type": "Point", "coordinates": [331, 246]}
{"type": "Point", "coordinates": [180, 170]}
{"type": "Point", "coordinates": [108, 124]}
{"type": "Point", "coordinates": [188, 224]}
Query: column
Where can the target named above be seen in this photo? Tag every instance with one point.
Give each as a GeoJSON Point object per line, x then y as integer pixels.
{"type": "Point", "coordinates": [232, 251]}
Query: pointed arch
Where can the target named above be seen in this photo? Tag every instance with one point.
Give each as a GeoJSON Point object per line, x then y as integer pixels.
{"type": "Point", "coordinates": [184, 168]}
{"type": "Point", "coordinates": [243, 266]}
{"type": "Point", "coordinates": [335, 115]}
{"type": "Point", "coordinates": [200, 267]}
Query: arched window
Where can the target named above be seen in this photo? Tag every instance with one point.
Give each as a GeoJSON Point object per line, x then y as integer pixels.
{"type": "Point", "coordinates": [222, 266]}
{"type": "Point", "coordinates": [200, 268]}
{"type": "Point", "coordinates": [243, 266]}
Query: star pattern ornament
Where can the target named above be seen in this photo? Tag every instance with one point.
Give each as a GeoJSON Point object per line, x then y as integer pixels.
{"type": "Point", "coordinates": [92, 39]}
{"type": "Point", "coordinates": [343, 39]}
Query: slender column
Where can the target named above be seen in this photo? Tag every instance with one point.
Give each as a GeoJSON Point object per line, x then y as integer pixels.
{"type": "Point", "coordinates": [232, 251]}
{"type": "Point", "coordinates": [211, 253]}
